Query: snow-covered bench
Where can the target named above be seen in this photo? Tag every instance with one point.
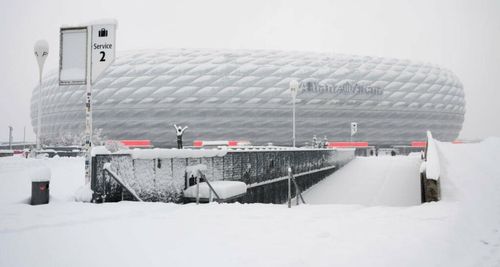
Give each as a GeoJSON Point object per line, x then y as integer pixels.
{"type": "Point", "coordinates": [225, 191]}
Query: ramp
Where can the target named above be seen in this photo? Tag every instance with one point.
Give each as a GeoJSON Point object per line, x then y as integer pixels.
{"type": "Point", "coordinates": [371, 181]}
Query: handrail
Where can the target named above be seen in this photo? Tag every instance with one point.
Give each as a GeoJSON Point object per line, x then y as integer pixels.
{"type": "Point", "coordinates": [107, 167]}
{"type": "Point", "coordinates": [282, 178]}
{"type": "Point", "coordinates": [210, 188]}
{"type": "Point", "coordinates": [298, 192]}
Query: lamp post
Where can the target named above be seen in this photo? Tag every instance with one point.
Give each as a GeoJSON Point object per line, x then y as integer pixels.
{"type": "Point", "coordinates": [10, 137]}
{"type": "Point", "coordinates": [294, 87]}
{"type": "Point", "coordinates": [41, 50]}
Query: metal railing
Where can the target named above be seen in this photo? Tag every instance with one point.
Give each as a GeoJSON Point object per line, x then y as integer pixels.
{"type": "Point", "coordinates": [298, 194]}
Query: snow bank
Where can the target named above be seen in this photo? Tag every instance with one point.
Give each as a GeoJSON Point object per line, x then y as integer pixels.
{"type": "Point", "coordinates": [84, 194]}
{"type": "Point", "coordinates": [432, 167]}
{"type": "Point", "coordinates": [196, 170]}
{"type": "Point", "coordinates": [225, 189]}
{"type": "Point", "coordinates": [40, 174]}
{"type": "Point", "coordinates": [16, 173]}
{"type": "Point", "coordinates": [371, 181]}
{"type": "Point", "coordinates": [422, 167]}
{"type": "Point", "coordinates": [99, 150]}
{"type": "Point", "coordinates": [461, 230]}
{"type": "Point", "coordinates": [175, 153]}
{"type": "Point", "coordinates": [162, 153]}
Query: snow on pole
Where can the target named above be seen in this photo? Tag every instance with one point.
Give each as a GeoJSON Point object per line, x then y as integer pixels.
{"type": "Point", "coordinates": [41, 53]}
{"type": "Point", "coordinates": [289, 187]}
{"type": "Point", "coordinates": [88, 113]}
{"type": "Point", "coordinates": [85, 53]}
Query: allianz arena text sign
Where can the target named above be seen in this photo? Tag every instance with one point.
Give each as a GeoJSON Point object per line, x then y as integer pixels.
{"type": "Point", "coordinates": [343, 88]}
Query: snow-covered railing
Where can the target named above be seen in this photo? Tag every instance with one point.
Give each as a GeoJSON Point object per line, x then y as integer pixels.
{"type": "Point", "coordinates": [203, 189]}
{"type": "Point", "coordinates": [159, 174]}
{"type": "Point", "coordinates": [107, 168]}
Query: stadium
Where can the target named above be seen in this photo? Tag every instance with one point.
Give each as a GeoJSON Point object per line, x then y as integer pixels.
{"type": "Point", "coordinates": [245, 95]}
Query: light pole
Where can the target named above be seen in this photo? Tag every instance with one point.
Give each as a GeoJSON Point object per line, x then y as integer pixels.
{"type": "Point", "coordinates": [10, 137]}
{"type": "Point", "coordinates": [294, 87]}
{"type": "Point", "coordinates": [41, 50]}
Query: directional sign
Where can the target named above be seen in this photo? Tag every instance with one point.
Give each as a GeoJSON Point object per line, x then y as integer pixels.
{"type": "Point", "coordinates": [103, 48]}
{"type": "Point", "coordinates": [73, 56]}
{"type": "Point", "coordinates": [85, 54]}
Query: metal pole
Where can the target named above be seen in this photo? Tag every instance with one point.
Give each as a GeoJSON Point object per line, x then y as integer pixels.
{"type": "Point", "coordinates": [289, 187]}
{"type": "Point", "coordinates": [24, 138]}
{"type": "Point", "coordinates": [293, 104]}
{"type": "Point", "coordinates": [41, 50]}
{"type": "Point", "coordinates": [88, 111]}
{"type": "Point", "coordinates": [10, 137]}
{"type": "Point", "coordinates": [297, 191]}
{"type": "Point", "coordinates": [197, 189]}
{"type": "Point", "coordinates": [39, 114]}
{"type": "Point", "coordinates": [294, 87]}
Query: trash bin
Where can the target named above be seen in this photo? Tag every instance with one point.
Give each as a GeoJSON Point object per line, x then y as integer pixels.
{"type": "Point", "coordinates": [40, 181]}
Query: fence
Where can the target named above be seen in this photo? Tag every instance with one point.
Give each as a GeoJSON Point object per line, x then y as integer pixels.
{"type": "Point", "coordinates": [264, 171]}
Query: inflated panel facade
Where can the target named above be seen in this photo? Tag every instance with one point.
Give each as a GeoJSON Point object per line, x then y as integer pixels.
{"type": "Point", "coordinates": [244, 95]}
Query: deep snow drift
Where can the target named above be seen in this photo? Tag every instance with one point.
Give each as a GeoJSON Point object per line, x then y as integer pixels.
{"type": "Point", "coordinates": [461, 230]}
{"type": "Point", "coordinates": [371, 181]}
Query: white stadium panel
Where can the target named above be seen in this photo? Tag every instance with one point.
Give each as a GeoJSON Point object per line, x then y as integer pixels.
{"type": "Point", "coordinates": [244, 95]}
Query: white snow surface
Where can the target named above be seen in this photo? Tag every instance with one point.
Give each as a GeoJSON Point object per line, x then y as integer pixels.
{"type": "Point", "coordinates": [196, 170]}
{"type": "Point", "coordinates": [99, 150]}
{"type": "Point", "coordinates": [174, 153]}
{"type": "Point", "coordinates": [84, 193]}
{"type": "Point", "coordinates": [461, 230]}
{"type": "Point", "coordinates": [432, 166]}
{"type": "Point", "coordinates": [224, 189]}
{"type": "Point", "coordinates": [40, 174]}
{"type": "Point", "coordinates": [371, 181]}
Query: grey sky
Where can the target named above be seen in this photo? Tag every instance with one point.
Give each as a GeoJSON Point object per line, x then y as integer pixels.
{"type": "Point", "coordinates": [463, 36]}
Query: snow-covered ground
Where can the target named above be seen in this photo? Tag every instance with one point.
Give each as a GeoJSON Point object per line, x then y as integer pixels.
{"type": "Point", "coordinates": [461, 230]}
{"type": "Point", "coordinates": [371, 181]}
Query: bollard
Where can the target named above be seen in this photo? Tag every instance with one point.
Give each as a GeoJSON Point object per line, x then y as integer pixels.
{"type": "Point", "coordinates": [40, 181]}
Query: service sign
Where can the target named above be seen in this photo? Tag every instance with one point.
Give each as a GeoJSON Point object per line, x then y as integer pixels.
{"type": "Point", "coordinates": [102, 48]}
{"type": "Point", "coordinates": [73, 56]}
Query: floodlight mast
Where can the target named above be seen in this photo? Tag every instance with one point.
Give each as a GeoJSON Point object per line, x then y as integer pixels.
{"type": "Point", "coordinates": [41, 51]}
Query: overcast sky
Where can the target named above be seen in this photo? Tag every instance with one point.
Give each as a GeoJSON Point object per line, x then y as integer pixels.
{"type": "Point", "coordinates": [463, 36]}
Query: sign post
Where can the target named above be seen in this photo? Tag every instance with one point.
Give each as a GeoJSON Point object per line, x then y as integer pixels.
{"type": "Point", "coordinates": [354, 129]}
{"type": "Point", "coordinates": [86, 52]}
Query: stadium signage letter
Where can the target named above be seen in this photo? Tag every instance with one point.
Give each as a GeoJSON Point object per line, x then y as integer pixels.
{"type": "Point", "coordinates": [342, 88]}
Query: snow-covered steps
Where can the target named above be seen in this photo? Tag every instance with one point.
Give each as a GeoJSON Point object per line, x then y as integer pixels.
{"type": "Point", "coordinates": [371, 181]}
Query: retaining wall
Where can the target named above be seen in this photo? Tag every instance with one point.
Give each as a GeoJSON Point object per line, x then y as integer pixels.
{"type": "Point", "coordinates": [264, 172]}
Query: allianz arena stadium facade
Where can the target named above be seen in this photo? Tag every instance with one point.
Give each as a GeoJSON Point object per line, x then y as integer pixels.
{"type": "Point", "coordinates": [244, 95]}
